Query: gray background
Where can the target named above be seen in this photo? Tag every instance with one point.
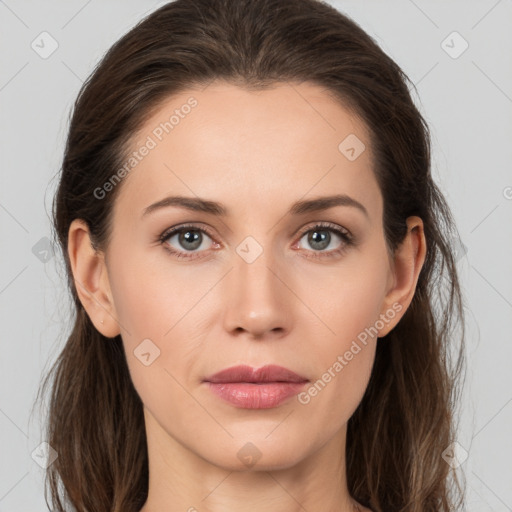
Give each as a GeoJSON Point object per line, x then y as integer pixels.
{"type": "Point", "coordinates": [466, 99]}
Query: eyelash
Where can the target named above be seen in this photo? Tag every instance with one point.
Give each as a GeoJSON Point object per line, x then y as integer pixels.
{"type": "Point", "coordinates": [346, 237]}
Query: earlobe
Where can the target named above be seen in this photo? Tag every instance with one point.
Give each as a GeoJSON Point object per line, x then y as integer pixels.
{"type": "Point", "coordinates": [408, 261]}
{"type": "Point", "coordinates": [91, 279]}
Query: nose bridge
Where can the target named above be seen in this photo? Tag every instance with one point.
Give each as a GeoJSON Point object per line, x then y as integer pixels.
{"type": "Point", "coordinates": [257, 301]}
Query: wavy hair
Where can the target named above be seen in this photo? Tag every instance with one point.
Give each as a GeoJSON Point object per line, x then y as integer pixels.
{"type": "Point", "coordinates": [407, 417]}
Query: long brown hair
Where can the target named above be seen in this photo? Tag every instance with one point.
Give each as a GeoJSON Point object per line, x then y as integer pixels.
{"type": "Point", "coordinates": [407, 417]}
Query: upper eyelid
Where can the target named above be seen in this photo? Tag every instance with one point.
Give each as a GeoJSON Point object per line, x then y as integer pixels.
{"type": "Point", "coordinates": [176, 229]}
{"type": "Point", "coordinates": [325, 225]}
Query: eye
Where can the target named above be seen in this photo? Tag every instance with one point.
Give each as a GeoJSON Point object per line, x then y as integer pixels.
{"type": "Point", "coordinates": [187, 239]}
{"type": "Point", "coordinates": [320, 237]}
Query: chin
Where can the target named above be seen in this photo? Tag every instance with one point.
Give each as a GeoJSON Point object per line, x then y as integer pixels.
{"type": "Point", "coordinates": [257, 454]}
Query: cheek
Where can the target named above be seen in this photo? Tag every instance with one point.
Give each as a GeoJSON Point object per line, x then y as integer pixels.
{"type": "Point", "coordinates": [151, 306]}
{"type": "Point", "coordinates": [160, 313]}
{"type": "Point", "coordinates": [348, 298]}
{"type": "Point", "coordinates": [150, 297]}
{"type": "Point", "coordinates": [349, 303]}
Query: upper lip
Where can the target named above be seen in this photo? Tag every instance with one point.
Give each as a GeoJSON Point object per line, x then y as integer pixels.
{"type": "Point", "coordinates": [244, 373]}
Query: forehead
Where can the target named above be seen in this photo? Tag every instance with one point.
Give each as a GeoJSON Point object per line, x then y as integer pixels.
{"type": "Point", "coordinates": [247, 147]}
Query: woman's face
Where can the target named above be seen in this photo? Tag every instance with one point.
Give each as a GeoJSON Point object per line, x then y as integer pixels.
{"type": "Point", "coordinates": [256, 285]}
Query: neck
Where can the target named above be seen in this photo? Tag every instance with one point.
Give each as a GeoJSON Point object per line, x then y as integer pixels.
{"type": "Point", "coordinates": [180, 480]}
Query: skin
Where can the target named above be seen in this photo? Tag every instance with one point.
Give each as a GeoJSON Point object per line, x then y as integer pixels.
{"type": "Point", "coordinates": [257, 153]}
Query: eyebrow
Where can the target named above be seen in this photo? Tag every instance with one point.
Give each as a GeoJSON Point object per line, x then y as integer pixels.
{"type": "Point", "coordinates": [300, 207]}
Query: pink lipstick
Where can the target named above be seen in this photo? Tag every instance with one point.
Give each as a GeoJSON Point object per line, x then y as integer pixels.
{"type": "Point", "coordinates": [249, 388]}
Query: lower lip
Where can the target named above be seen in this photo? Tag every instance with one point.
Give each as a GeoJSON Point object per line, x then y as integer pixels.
{"type": "Point", "coordinates": [247, 395]}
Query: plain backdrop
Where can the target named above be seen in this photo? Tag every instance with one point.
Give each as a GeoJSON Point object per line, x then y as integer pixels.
{"type": "Point", "coordinates": [457, 53]}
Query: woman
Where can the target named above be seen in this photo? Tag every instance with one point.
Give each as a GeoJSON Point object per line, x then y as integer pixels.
{"type": "Point", "coordinates": [261, 266]}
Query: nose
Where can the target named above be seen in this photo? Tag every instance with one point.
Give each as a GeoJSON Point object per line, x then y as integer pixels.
{"type": "Point", "coordinates": [258, 300]}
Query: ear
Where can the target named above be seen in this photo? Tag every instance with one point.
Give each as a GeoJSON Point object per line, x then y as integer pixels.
{"type": "Point", "coordinates": [91, 279]}
{"type": "Point", "coordinates": [407, 263]}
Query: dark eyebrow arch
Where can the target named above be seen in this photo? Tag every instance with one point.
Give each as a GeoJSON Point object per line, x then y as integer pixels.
{"type": "Point", "coordinates": [324, 203]}
{"type": "Point", "coordinates": [194, 204]}
{"type": "Point", "coordinates": [301, 207]}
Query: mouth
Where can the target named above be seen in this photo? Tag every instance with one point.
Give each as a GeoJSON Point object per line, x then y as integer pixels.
{"type": "Point", "coordinates": [262, 388]}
